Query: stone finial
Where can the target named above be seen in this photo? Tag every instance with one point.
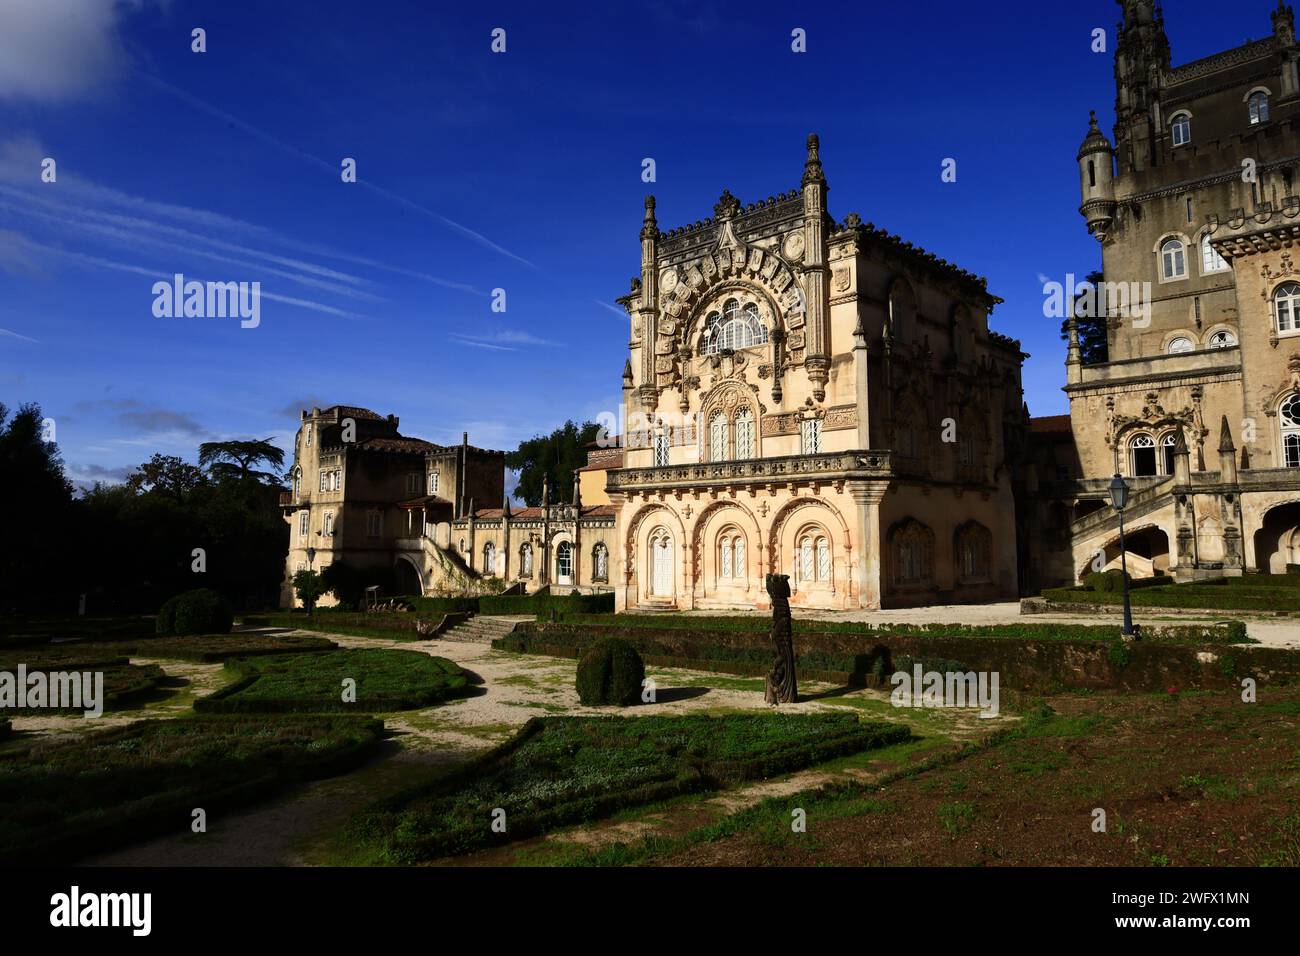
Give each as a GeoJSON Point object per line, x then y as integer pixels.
{"type": "Point", "coordinates": [1180, 443]}
{"type": "Point", "coordinates": [546, 490]}
{"type": "Point", "coordinates": [1225, 436]}
{"type": "Point", "coordinates": [627, 374]}
{"type": "Point", "coordinates": [505, 504]}
{"type": "Point", "coordinates": [727, 206]}
{"type": "Point", "coordinates": [812, 167]}
{"type": "Point", "coordinates": [650, 226]}
{"type": "Point", "coordinates": [577, 491]}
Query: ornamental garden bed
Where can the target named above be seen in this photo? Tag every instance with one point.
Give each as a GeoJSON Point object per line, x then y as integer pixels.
{"type": "Point", "coordinates": [61, 800]}
{"type": "Point", "coordinates": [385, 680]}
{"type": "Point", "coordinates": [221, 647]}
{"type": "Point", "coordinates": [867, 657]}
{"type": "Point", "coordinates": [124, 682]}
{"type": "Point", "coordinates": [562, 770]}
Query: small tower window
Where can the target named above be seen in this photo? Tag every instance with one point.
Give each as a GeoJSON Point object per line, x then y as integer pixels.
{"type": "Point", "coordinates": [1181, 129]}
{"type": "Point", "coordinates": [1092, 174]}
{"type": "Point", "coordinates": [1286, 303]}
{"type": "Point", "coordinates": [1180, 343]}
{"type": "Point", "coordinates": [1211, 261]}
{"type": "Point", "coordinates": [1258, 103]}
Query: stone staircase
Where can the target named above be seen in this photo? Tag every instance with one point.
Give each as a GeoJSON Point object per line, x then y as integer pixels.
{"type": "Point", "coordinates": [482, 629]}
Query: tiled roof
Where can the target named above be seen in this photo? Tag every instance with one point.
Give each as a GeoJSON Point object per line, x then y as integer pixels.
{"type": "Point", "coordinates": [353, 411]}
{"type": "Point", "coordinates": [1050, 424]}
{"type": "Point", "coordinates": [604, 464]}
{"type": "Point", "coordinates": [423, 501]}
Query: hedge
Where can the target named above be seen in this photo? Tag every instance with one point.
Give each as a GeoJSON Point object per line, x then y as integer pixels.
{"type": "Point", "coordinates": [443, 605]}
{"type": "Point", "coordinates": [123, 682]}
{"type": "Point", "coordinates": [201, 611]}
{"type": "Point", "coordinates": [1233, 632]}
{"type": "Point", "coordinates": [610, 673]}
{"type": "Point", "coordinates": [222, 647]}
{"type": "Point", "coordinates": [65, 798]}
{"type": "Point", "coordinates": [1210, 597]}
{"type": "Point", "coordinates": [541, 605]}
{"type": "Point", "coordinates": [867, 660]}
{"type": "Point", "coordinates": [385, 679]}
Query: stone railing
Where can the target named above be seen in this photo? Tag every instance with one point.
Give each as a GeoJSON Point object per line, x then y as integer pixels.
{"type": "Point", "coordinates": [830, 467]}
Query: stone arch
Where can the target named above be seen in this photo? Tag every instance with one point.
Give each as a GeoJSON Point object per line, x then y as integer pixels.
{"type": "Point", "coordinates": [902, 308]}
{"type": "Point", "coordinates": [649, 517]}
{"type": "Point", "coordinates": [1147, 547]}
{"type": "Point", "coordinates": [1276, 541]}
{"type": "Point", "coordinates": [406, 571]}
{"type": "Point", "coordinates": [972, 550]}
{"type": "Point", "coordinates": [909, 556]}
{"type": "Point", "coordinates": [787, 525]}
{"type": "Point", "coordinates": [770, 313]}
{"type": "Point", "coordinates": [729, 397]}
{"type": "Point", "coordinates": [710, 523]}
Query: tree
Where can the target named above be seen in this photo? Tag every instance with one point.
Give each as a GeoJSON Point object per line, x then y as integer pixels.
{"type": "Point", "coordinates": [308, 586]}
{"type": "Point", "coordinates": [166, 475]}
{"type": "Point", "coordinates": [38, 555]}
{"type": "Point", "coordinates": [1091, 323]}
{"type": "Point", "coordinates": [235, 459]}
{"type": "Point", "coordinates": [555, 456]}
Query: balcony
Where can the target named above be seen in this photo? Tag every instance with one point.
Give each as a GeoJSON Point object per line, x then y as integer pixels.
{"type": "Point", "coordinates": [289, 500]}
{"type": "Point", "coordinates": [800, 469]}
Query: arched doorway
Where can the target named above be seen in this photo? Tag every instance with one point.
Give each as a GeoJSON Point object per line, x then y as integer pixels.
{"type": "Point", "coordinates": [661, 565]}
{"type": "Point", "coordinates": [406, 579]}
{"type": "Point", "coordinates": [1147, 554]}
{"type": "Point", "coordinates": [1277, 542]}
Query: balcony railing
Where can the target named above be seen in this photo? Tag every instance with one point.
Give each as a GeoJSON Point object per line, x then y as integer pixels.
{"type": "Point", "coordinates": [288, 498]}
{"type": "Point", "coordinates": [829, 467]}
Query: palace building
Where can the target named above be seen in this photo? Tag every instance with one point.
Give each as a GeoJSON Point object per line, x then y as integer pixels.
{"type": "Point", "coordinates": [814, 397]}
{"type": "Point", "coordinates": [407, 511]}
{"type": "Point", "coordinates": [1198, 401]}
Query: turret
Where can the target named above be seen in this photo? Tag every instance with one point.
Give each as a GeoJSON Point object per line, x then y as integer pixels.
{"type": "Point", "coordinates": [1141, 58]}
{"type": "Point", "coordinates": [649, 303]}
{"type": "Point", "coordinates": [817, 360]}
{"type": "Point", "coordinates": [1096, 180]}
{"type": "Point", "coordinates": [1284, 32]}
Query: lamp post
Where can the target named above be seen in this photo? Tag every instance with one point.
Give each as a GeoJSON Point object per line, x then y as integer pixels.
{"type": "Point", "coordinates": [311, 594]}
{"type": "Point", "coordinates": [1119, 498]}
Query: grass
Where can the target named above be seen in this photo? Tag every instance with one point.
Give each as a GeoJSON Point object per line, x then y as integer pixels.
{"type": "Point", "coordinates": [62, 799]}
{"type": "Point", "coordinates": [565, 770]}
{"type": "Point", "coordinates": [1255, 592]}
{"type": "Point", "coordinates": [335, 622]}
{"type": "Point", "coordinates": [385, 680]}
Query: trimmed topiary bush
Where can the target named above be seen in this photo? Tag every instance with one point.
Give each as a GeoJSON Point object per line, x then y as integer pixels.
{"type": "Point", "coordinates": [201, 611]}
{"type": "Point", "coordinates": [1106, 581]}
{"type": "Point", "coordinates": [610, 672]}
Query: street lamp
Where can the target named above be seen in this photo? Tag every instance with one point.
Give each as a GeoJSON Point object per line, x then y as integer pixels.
{"type": "Point", "coordinates": [1119, 498]}
{"type": "Point", "coordinates": [311, 593]}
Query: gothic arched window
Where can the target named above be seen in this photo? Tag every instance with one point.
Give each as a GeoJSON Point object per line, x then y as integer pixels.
{"type": "Point", "coordinates": [1142, 456]}
{"type": "Point", "coordinates": [734, 327]}
{"type": "Point", "coordinates": [1167, 443]}
{"type": "Point", "coordinates": [744, 434]}
{"type": "Point", "coordinates": [974, 552]}
{"type": "Point", "coordinates": [718, 437]}
{"type": "Point", "coordinates": [564, 561]}
{"type": "Point", "coordinates": [1289, 416]}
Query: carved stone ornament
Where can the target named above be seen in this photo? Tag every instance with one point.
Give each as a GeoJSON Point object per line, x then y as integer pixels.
{"type": "Point", "coordinates": [668, 280]}
{"type": "Point", "coordinates": [794, 246]}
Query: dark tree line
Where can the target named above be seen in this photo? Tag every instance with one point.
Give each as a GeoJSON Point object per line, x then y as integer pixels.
{"type": "Point", "coordinates": [129, 547]}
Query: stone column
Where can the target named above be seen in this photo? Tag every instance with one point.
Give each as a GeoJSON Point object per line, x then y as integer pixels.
{"type": "Point", "coordinates": [861, 355]}
{"type": "Point", "coordinates": [649, 310]}
{"type": "Point", "coordinates": [817, 357]}
{"type": "Point", "coordinates": [868, 564]}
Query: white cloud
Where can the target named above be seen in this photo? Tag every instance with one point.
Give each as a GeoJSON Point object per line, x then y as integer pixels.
{"type": "Point", "coordinates": [58, 50]}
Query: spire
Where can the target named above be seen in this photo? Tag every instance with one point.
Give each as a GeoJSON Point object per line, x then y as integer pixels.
{"type": "Point", "coordinates": [505, 504]}
{"type": "Point", "coordinates": [577, 492]}
{"type": "Point", "coordinates": [812, 167]}
{"type": "Point", "coordinates": [1225, 437]}
{"type": "Point", "coordinates": [546, 490]}
{"type": "Point", "coordinates": [1180, 442]}
{"type": "Point", "coordinates": [627, 374]}
{"type": "Point", "coordinates": [650, 227]}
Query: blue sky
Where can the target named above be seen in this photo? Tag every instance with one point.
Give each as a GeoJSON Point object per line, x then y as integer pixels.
{"type": "Point", "coordinates": [478, 171]}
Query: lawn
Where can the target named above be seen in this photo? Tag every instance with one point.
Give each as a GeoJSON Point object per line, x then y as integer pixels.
{"type": "Point", "coordinates": [62, 799]}
{"type": "Point", "coordinates": [561, 770]}
{"type": "Point", "coordinates": [385, 680]}
{"type": "Point", "coordinates": [1184, 780]}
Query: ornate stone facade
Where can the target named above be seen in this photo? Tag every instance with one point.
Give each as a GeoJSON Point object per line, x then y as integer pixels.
{"type": "Point", "coordinates": [801, 395]}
